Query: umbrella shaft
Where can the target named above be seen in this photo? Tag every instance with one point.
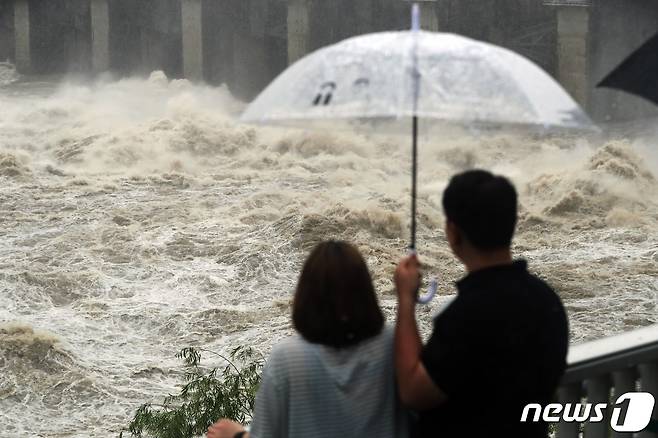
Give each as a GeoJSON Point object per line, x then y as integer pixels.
{"type": "Point", "coordinates": [414, 172]}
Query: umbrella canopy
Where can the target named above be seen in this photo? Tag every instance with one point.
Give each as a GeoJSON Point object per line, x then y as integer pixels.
{"type": "Point", "coordinates": [391, 75]}
{"type": "Point", "coordinates": [638, 74]}
{"type": "Point", "coordinates": [398, 75]}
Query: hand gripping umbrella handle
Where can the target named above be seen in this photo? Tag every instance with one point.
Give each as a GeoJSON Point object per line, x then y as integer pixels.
{"type": "Point", "coordinates": [431, 292]}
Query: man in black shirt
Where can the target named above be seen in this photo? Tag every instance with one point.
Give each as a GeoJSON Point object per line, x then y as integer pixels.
{"type": "Point", "coordinates": [502, 342]}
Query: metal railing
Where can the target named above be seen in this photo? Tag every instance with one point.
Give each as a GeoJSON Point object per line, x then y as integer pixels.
{"type": "Point", "coordinates": [600, 371]}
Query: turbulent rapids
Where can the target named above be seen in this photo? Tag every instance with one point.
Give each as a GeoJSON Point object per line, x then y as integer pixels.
{"type": "Point", "coordinates": [138, 217]}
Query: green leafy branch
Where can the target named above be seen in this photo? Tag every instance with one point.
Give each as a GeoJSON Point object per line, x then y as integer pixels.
{"type": "Point", "coordinates": [206, 396]}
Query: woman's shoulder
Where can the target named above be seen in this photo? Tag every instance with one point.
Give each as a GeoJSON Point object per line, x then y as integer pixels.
{"type": "Point", "coordinates": [295, 346]}
{"type": "Point", "coordinates": [384, 340]}
{"type": "Point", "coordinates": [388, 332]}
{"type": "Point", "coordinates": [290, 346]}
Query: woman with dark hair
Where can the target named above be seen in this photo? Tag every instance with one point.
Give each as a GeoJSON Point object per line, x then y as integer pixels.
{"type": "Point", "coordinates": [335, 378]}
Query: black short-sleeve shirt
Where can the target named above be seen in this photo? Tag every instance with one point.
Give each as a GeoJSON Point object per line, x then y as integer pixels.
{"type": "Point", "coordinates": [500, 345]}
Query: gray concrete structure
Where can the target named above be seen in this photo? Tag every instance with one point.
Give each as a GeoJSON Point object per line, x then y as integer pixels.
{"type": "Point", "coordinates": [22, 52]}
{"type": "Point", "coordinates": [100, 35]}
{"type": "Point", "coordinates": [245, 44]}
{"type": "Point", "coordinates": [251, 71]}
{"type": "Point", "coordinates": [364, 14]}
{"type": "Point", "coordinates": [299, 29]}
{"type": "Point", "coordinates": [258, 12]}
{"type": "Point", "coordinates": [429, 19]}
{"type": "Point", "coordinates": [573, 24]}
{"type": "Point", "coordinates": [614, 36]}
{"type": "Point", "coordinates": [192, 33]}
{"type": "Point", "coordinates": [6, 31]}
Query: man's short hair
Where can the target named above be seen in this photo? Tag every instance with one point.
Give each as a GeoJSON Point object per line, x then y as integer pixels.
{"type": "Point", "coordinates": [335, 302]}
{"type": "Point", "coordinates": [484, 208]}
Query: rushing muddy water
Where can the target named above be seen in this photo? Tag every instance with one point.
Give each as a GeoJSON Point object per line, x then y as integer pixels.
{"type": "Point", "coordinates": [139, 218]}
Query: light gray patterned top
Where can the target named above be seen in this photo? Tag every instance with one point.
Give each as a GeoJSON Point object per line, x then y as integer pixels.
{"type": "Point", "coordinates": [314, 391]}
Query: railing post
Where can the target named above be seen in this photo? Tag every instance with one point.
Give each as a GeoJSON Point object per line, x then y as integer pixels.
{"type": "Point", "coordinates": [598, 391]}
{"type": "Point", "coordinates": [649, 383]}
{"type": "Point", "coordinates": [624, 381]}
{"type": "Point", "coordinates": [569, 394]}
{"type": "Point", "coordinates": [629, 360]}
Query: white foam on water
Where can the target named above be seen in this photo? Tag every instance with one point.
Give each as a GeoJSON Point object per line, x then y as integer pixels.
{"type": "Point", "coordinates": [8, 74]}
{"type": "Point", "coordinates": [138, 217]}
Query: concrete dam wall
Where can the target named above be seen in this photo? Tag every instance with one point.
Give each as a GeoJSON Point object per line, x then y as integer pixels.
{"type": "Point", "coordinates": [246, 43]}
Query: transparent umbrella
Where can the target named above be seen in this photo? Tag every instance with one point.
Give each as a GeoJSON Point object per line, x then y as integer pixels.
{"type": "Point", "coordinates": [416, 74]}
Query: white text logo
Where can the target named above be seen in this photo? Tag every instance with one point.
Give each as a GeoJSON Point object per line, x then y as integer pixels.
{"type": "Point", "coordinates": [630, 413]}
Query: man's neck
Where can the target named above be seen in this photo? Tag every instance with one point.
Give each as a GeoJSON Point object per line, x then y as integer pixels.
{"type": "Point", "coordinates": [481, 260]}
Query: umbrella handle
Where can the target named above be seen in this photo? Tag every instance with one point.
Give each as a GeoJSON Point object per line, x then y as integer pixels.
{"type": "Point", "coordinates": [431, 292]}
